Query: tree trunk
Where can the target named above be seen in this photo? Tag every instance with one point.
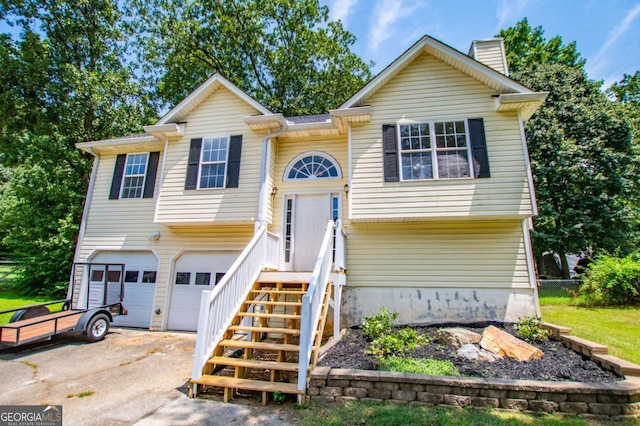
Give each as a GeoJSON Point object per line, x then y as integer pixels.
{"type": "Point", "coordinates": [565, 265]}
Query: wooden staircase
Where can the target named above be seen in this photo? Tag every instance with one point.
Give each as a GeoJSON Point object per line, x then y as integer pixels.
{"type": "Point", "coordinates": [259, 351]}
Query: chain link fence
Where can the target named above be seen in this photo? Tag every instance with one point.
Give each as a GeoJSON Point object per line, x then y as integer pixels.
{"type": "Point", "coordinates": [558, 288]}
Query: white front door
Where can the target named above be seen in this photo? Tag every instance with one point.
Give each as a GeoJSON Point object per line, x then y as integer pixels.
{"type": "Point", "coordinates": [310, 215]}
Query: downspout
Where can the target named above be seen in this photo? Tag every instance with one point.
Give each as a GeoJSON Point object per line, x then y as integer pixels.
{"type": "Point", "coordinates": [83, 222]}
{"type": "Point", "coordinates": [264, 174]}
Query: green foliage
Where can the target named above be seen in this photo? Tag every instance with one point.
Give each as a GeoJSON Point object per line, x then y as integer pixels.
{"type": "Point", "coordinates": [430, 366]}
{"type": "Point", "coordinates": [526, 46]}
{"type": "Point", "coordinates": [611, 280]}
{"type": "Point", "coordinates": [530, 330]}
{"type": "Point", "coordinates": [385, 345]}
{"type": "Point", "coordinates": [411, 338]}
{"type": "Point", "coordinates": [378, 325]}
{"type": "Point", "coordinates": [63, 80]}
{"type": "Point", "coordinates": [279, 397]}
{"type": "Point", "coordinates": [287, 54]}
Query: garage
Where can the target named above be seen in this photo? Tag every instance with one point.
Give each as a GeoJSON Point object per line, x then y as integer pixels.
{"type": "Point", "coordinates": [194, 273]}
{"type": "Point", "coordinates": [139, 283]}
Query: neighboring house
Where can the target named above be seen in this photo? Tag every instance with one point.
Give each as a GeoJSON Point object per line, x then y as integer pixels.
{"type": "Point", "coordinates": [426, 166]}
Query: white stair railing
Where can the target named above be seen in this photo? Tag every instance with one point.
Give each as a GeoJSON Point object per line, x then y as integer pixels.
{"type": "Point", "coordinates": [218, 307]}
{"type": "Point", "coordinates": [312, 304]}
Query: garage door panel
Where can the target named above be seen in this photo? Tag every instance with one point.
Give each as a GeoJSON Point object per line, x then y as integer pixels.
{"type": "Point", "coordinates": [194, 273]}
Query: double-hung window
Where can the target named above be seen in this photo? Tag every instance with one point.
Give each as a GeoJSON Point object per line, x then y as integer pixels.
{"type": "Point", "coordinates": [435, 150]}
{"type": "Point", "coordinates": [134, 174]}
{"type": "Point", "coordinates": [213, 162]}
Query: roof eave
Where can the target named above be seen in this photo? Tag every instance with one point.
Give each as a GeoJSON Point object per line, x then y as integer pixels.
{"type": "Point", "coordinates": [525, 103]}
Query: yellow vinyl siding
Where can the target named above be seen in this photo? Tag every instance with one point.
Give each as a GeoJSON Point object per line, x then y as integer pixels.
{"type": "Point", "coordinates": [470, 254]}
{"type": "Point", "coordinates": [429, 89]}
{"type": "Point", "coordinates": [221, 114]}
{"type": "Point", "coordinates": [490, 54]}
{"type": "Point", "coordinates": [290, 148]}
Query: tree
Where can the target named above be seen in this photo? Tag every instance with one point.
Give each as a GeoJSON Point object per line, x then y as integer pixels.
{"type": "Point", "coordinates": [63, 81]}
{"type": "Point", "coordinates": [584, 164]}
{"type": "Point", "coordinates": [627, 90]}
{"type": "Point", "coordinates": [526, 46]}
{"type": "Point", "coordinates": [284, 53]}
{"type": "Point", "coordinates": [583, 158]}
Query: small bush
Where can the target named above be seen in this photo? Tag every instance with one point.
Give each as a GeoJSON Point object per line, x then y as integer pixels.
{"type": "Point", "coordinates": [386, 345]}
{"type": "Point", "coordinates": [421, 366]}
{"type": "Point", "coordinates": [611, 280]}
{"type": "Point", "coordinates": [378, 325]}
{"type": "Point", "coordinates": [411, 338]}
{"type": "Point", "coordinates": [530, 330]}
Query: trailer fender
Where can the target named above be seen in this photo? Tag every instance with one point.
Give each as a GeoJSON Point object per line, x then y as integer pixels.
{"type": "Point", "coordinates": [86, 317]}
{"type": "Point", "coordinates": [29, 313]}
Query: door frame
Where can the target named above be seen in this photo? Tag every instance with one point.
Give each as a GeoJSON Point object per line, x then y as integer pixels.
{"type": "Point", "coordinates": [291, 195]}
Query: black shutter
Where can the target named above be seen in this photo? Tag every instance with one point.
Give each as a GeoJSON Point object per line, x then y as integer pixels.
{"type": "Point", "coordinates": [233, 165]}
{"type": "Point", "coordinates": [117, 177]}
{"type": "Point", "coordinates": [152, 170]}
{"type": "Point", "coordinates": [191, 181]}
{"type": "Point", "coordinates": [390, 153]}
{"type": "Point", "coordinates": [479, 148]}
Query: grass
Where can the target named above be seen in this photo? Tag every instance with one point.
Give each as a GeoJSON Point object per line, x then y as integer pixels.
{"type": "Point", "coordinates": [421, 366]}
{"type": "Point", "coordinates": [12, 300]}
{"type": "Point", "coordinates": [616, 327]}
{"type": "Point", "coordinates": [359, 413]}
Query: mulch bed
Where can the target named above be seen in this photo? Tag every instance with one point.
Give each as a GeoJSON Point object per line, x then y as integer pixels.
{"type": "Point", "coordinates": [558, 364]}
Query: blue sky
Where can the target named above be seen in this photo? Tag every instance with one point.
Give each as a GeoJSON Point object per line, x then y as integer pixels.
{"type": "Point", "coordinates": [607, 32]}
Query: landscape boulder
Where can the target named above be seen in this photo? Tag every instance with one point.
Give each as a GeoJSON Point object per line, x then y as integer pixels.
{"type": "Point", "coordinates": [471, 352]}
{"type": "Point", "coordinates": [504, 344]}
{"type": "Point", "coordinates": [456, 336]}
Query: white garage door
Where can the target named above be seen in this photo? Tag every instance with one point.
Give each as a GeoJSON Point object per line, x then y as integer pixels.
{"type": "Point", "coordinates": [140, 274]}
{"type": "Point", "coordinates": [194, 272]}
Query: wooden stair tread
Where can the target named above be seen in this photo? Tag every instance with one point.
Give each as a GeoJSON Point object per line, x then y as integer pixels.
{"type": "Point", "coordinates": [276, 291]}
{"type": "Point", "coordinates": [260, 345]}
{"type": "Point", "coordinates": [253, 363]}
{"type": "Point", "coordinates": [256, 385]}
{"type": "Point", "coordinates": [283, 281]}
{"type": "Point", "coordinates": [267, 315]}
{"type": "Point", "coordinates": [271, 302]}
{"type": "Point", "coordinates": [291, 331]}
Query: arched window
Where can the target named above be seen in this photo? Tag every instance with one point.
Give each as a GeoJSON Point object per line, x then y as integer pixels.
{"type": "Point", "coordinates": [313, 165]}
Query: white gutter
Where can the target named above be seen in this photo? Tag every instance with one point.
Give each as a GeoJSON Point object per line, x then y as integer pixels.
{"type": "Point", "coordinates": [264, 173]}
{"type": "Point", "coordinates": [85, 215]}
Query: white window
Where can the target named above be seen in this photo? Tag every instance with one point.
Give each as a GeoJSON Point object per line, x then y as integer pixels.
{"type": "Point", "coordinates": [435, 150]}
{"type": "Point", "coordinates": [213, 162]}
{"type": "Point", "coordinates": [313, 165]}
{"type": "Point", "coordinates": [134, 175]}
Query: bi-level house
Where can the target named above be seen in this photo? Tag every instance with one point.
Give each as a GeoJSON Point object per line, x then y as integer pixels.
{"type": "Point", "coordinates": [415, 195]}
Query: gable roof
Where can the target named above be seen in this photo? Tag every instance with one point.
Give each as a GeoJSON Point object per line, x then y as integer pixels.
{"type": "Point", "coordinates": [445, 53]}
{"type": "Point", "coordinates": [195, 98]}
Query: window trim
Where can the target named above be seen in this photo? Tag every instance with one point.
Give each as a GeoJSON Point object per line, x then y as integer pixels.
{"type": "Point", "coordinates": [144, 175]}
{"type": "Point", "coordinates": [434, 149]}
{"type": "Point", "coordinates": [202, 163]}
{"type": "Point", "coordinates": [322, 154]}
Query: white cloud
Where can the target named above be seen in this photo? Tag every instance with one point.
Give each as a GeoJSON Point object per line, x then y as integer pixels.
{"type": "Point", "coordinates": [509, 11]}
{"type": "Point", "coordinates": [339, 10]}
{"type": "Point", "coordinates": [386, 14]}
{"type": "Point", "coordinates": [599, 60]}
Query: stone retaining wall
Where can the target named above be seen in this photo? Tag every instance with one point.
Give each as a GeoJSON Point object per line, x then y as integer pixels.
{"type": "Point", "coordinates": [619, 400]}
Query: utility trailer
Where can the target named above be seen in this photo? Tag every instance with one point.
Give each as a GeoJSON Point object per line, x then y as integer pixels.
{"type": "Point", "coordinates": [99, 300]}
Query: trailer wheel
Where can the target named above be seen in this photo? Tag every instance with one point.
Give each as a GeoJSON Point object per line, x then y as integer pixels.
{"type": "Point", "coordinates": [97, 328]}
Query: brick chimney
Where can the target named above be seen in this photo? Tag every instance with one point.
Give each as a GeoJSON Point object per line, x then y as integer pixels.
{"type": "Point", "coordinates": [491, 53]}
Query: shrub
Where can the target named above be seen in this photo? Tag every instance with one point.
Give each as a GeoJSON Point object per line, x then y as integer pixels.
{"type": "Point", "coordinates": [530, 330]}
{"type": "Point", "coordinates": [420, 365]}
{"type": "Point", "coordinates": [378, 325]}
{"type": "Point", "coordinates": [386, 345]}
{"type": "Point", "coordinates": [411, 338]}
{"type": "Point", "coordinates": [611, 280]}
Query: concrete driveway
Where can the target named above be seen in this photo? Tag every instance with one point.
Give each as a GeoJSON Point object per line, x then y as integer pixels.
{"type": "Point", "coordinates": [131, 376]}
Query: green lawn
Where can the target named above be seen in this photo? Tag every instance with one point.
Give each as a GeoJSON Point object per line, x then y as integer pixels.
{"type": "Point", "coordinates": [400, 415]}
{"type": "Point", "coordinates": [12, 300]}
{"type": "Point", "coordinates": [616, 327]}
